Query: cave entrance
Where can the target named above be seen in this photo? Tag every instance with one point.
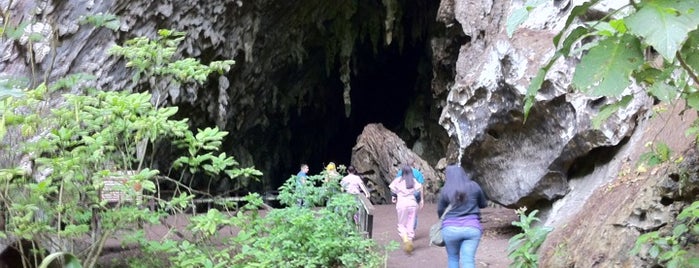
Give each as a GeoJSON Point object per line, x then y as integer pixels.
{"type": "Point", "coordinates": [386, 81]}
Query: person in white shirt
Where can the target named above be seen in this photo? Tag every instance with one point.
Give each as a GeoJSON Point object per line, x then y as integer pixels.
{"type": "Point", "coordinates": [353, 184]}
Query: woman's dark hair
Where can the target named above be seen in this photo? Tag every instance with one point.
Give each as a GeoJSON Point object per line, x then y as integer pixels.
{"type": "Point", "coordinates": [408, 176]}
{"type": "Point", "coordinates": [457, 184]}
{"type": "Point", "coordinates": [351, 170]}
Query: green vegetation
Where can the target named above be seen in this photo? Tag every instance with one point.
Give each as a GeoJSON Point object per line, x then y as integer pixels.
{"type": "Point", "coordinates": [523, 246]}
{"type": "Point", "coordinates": [93, 139]}
{"type": "Point", "coordinates": [305, 237]}
{"type": "Point", "coordinates": [670, 250]}
{"type": "Point", "coordinates": [619, 49]}
{"type": "Point", "coordinates": [100, 143]}
{"type": "Point", "coordinates": [659, 153]}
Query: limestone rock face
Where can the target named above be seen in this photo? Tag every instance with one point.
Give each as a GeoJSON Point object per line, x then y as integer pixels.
{"type": "Point", "coordinates": [522, 163]}
{"type": "Point", "coordinates": [603, 228]}
{"type": "Point", "coordinates": [378, 155]}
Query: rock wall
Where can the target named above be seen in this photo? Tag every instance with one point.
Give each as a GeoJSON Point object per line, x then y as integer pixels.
{"type": "Point", "coordinates": [600, 231]}
{"type": "Point", "coordinates": [522, 163]}
{"type": "Point", "coordinates": [585, 180]}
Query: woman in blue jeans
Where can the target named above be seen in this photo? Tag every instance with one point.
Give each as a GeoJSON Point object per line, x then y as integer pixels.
{"type": "Point", "coordinates": [461, 227]}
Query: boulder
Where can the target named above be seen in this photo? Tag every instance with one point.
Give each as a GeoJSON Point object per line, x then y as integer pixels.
{"type": "Point", "coordinates": [378, 155]}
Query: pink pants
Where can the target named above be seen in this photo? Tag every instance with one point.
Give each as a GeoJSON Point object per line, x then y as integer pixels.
{"type": "Point", "coordinates": [406, 220]}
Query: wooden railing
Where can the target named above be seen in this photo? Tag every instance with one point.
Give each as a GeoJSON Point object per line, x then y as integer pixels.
{"type": "Point", "coordinates": [211, 201]}
{"type": "Point", "coordinates": [365, 215]}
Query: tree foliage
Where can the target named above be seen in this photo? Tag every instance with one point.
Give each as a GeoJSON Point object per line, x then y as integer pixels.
{"type": "Point", "coordinates": [96, 142]}
{"type": "Point", "coordinates": [618, 50]}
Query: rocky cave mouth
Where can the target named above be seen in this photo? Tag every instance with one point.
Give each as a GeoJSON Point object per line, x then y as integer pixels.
{"type": "Point", "coordinates": [390, 83]}
{"type": "Point", "coordinates": [383, 86]}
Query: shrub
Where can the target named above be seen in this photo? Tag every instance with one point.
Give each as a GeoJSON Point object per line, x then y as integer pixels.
{"type": "Point", "coordinates": [670, 250]}
{"type": "Point", "coordinates": [523, 246]}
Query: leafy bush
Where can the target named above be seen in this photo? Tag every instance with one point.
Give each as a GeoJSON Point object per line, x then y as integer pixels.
{"type": "Point", "coordinates": [96, 138]}
{"type": "Point", "coordinates": [523, 246]}
{"type": "Point", "coordinates": [92, 143]}
{"type": "Point", "coordinates": [294, 236]}
{"type": "Point", "coordinates": [670, 250]}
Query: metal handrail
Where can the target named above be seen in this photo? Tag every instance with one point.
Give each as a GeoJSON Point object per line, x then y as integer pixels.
{"type": "Point", "coordinates": [365, 215]}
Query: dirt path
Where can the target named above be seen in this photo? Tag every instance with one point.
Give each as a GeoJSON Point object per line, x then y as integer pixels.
{"type": "Point", "coordinates": [492, 251]}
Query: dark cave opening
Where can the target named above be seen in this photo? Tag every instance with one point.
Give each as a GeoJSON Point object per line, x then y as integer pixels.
{"type": "Point", "coordinates": [382, 87]}
{"type": "Point", "coordinates": [385, 81]}
{"type": "Point", "coordinates": [299, 114]}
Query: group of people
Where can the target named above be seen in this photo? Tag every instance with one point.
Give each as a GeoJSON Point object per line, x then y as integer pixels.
{"type": "Point", "coordinates": [351, 183]}
{"type": "Point", "coordinates": [459, 202]}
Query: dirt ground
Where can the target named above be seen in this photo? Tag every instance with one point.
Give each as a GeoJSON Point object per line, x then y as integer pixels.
{"type": "Point", "coordinates": [492, 251]}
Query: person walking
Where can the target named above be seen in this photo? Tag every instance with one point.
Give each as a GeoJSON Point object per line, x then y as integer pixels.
{"type": "Point", "coordinates": [353, 184]}
{"type": "Point", "coordinates": [405, 187]}
{"type": "Point", "coordinates": [301, 180]}
{"type": "Point", "coordinates": [331, 173]}
{"type": "Point", "coordinates": [419, 178]}
{"type": "Point", "coordinates": [461, 227]}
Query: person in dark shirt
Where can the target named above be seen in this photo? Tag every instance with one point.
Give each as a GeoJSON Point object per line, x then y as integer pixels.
{"type": "Point", "coordinates": [461, 228]}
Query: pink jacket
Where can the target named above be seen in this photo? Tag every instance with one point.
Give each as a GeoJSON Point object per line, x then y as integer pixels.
{"type": "Point", "coordinates": [405, 196]}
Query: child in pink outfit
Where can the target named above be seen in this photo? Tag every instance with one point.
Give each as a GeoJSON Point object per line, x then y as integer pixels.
{"type": "Point", "coordinates": [405, 188]}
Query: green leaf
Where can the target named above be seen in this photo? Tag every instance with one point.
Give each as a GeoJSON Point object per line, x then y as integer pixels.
{"type": "Point", "coordinates": [650, 75]}
{"type": "Point", "coordinates": [9, 92]}
{"type": "Point", "coordinates": [663, 151]}
{"type": "Point", "coordinates": [520, 15]}
{"type": "Point", "coordinates": [663, 91]}
{"type": "Point", "coordinates": [603, 28]}
{"type": "Point", "coordinates": [690, 51]}
{"type": "Point", "coordinates": [574, 36]}
{"type": "Point", "coordinates": [16, 32]}
{"type": "Point", "coordinates": [654, 251]}
{"type": "Point", "coordinates": [664, 24]}
{"type": "Point", "coordinates": [680, 230]}
{"type": "Point", "coordinates": [149, 186]}
{"type": "Point", "coordinates": [606, 69]}
{"type": "Point", "coordinates": [691, 211]}
{"type": "Point", "coordinates": [693, 100]}
{"type": "Point", "coordinates": [535, 85]}
{"type": "Point", "coordinates": [577, 11]}
{"type": "Point", "coordinates": [618, 25]}
{"type": "Point", "coordinates": [609, 110]}
{"type": "Point", "coordinates": [70, 261]}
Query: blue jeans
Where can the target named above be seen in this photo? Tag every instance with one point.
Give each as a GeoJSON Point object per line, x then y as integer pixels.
{"type": "Point", "coordinates": [461, 244]}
